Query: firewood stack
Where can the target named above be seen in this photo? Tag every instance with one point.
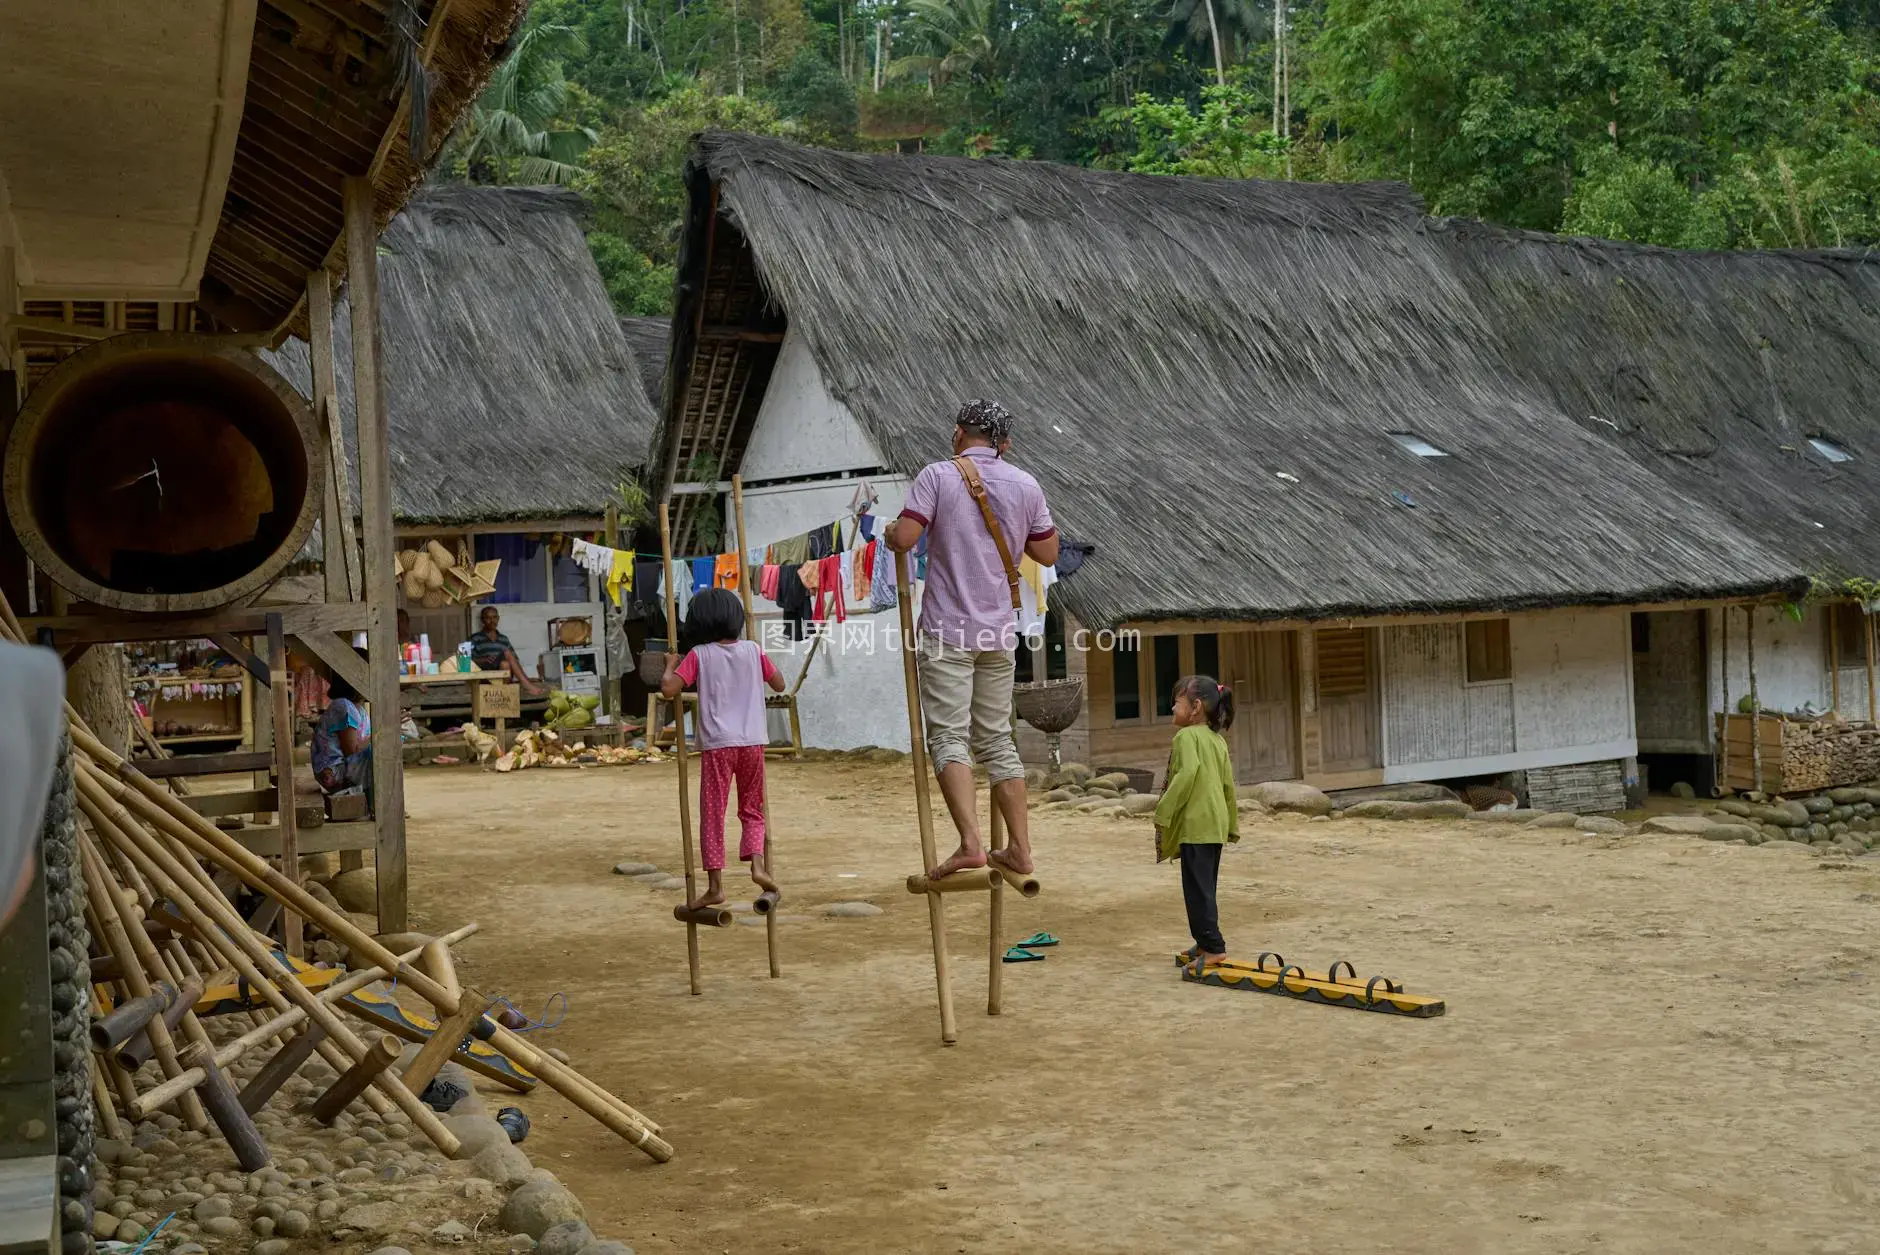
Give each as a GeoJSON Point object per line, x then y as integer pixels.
{"type": "Point", "coordinates": [165, 932]}
{"type": "Point", "coordinates": [1828, 753]}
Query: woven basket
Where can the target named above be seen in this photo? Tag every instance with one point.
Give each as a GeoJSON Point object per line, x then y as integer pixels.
{"type": "Point", "coordinates": [652, 668]}
{"type": "Point", "coordinates": [1050, 705]}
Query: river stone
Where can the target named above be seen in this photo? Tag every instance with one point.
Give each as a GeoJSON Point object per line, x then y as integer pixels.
{"type": "Point", "coordinates": [1519, 816]}
{"type": "Point", "coordinates": [1679, 825]}
{"type": "Point", "coordinates": [1290, 795]}
{"type": "Point", "coordinates": [293, 1224]}
{"type": "Point", "coordinates": [1142, 803]}
{"type": "Point", "coordinates": [1731, 832]}
{"type": "Point", "coordinates": [129, 1230]}
{"type": "Point", "coordinates": [1118, 780]}
{"type": "Point", "coordinates": [1074, 773]}
{"type": "Point", "coordinates": [502, 1163]}
{"type": "Point", "coordinates": [223, 1226]}
{"type": "Point", "coordinates": [373, 1217]}
{"type": "Point", "coordinates": [520, 1244]}
{"type": "Point", "coordinates": [569, 1237]}
{"type": "Point", "coordinates": [1789, 846]}
{"type": "Point", "coordinates": [1602, 825]}
{"type": "Point", "coordinates": [634, 869]}
{"type": "Point", "coordinates": [356, 890]}
{"type": "Point", "coordinates": [104, 1226]}
{"type": "Point", "coordinates": [1098, 804]}
{"type": "Point", "coordinates": [539, 1206]}
{"type": "Point", "coordinates": [391, 1250]}
{"type": "Point", "coordinates": [1556, 819]}
{"type": "Point", "coordinates": [271, 1246]}
{"type": "Point", "coordinates": [190, 1248]}
{"type": "Point", "coordinates": [451, 1232]}
{"type": "Point", "coordinates": [606, 1248]}
{"type": "Point", "coordinates": [263, 1226]}
{"type": "Point", "coordinates": [475, 1132]}
{"type": "Point", "coordinates": [1683, 790]}
{"type": "Point", "coordinates": [851, 910]}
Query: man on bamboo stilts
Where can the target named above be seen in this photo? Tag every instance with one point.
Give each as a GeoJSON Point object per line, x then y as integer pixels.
{"type": "Point", "coordinates": [979, 513]}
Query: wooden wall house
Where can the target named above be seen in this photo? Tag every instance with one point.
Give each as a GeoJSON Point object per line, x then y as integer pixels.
{"type": "Point", "coordinates": [1334, 482]}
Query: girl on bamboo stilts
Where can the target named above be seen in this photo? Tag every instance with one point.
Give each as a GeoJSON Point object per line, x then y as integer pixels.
{"type": "Point", "coordinates": [729, 674]}
{"type": "Point", "coordinates": [1199, 813]}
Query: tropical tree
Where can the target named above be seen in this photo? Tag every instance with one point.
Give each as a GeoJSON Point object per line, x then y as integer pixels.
{"type": "Point", "coordinates": [519, 129]}
{"type": "Point", "coordinates": [962, 38]}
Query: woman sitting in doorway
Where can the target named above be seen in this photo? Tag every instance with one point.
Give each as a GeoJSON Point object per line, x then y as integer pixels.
{"type": "Point", "coordinates": [490, 650]}
{"type": "Point", "coordinates": [342, 741]}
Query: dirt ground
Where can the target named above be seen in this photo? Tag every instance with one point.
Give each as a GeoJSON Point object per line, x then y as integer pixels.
{"type": "Point", "coordinates": [1652, 1044]}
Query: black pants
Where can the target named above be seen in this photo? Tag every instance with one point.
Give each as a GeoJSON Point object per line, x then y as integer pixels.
{"type": "Point", "coordinates": [1201, 868]}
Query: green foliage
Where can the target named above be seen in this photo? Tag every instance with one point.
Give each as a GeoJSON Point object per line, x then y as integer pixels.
{"type": "Point", "coordinates": [1228, 137]}
{"type": "Point", "coordinates": [812, 93]}
{"type": "Point", "coordinates": [523, 127]}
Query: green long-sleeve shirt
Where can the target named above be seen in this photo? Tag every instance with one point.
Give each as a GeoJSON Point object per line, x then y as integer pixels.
{"type": "Point", "coordinates": [1198, 805]}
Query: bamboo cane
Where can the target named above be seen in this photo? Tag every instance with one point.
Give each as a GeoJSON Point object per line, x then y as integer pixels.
{"type": "Point", "coordinates": [923, 806]}
{"type": "Point", "coordinates": [199, 837]}
{"type": "Point", "coordinates": [112, 821]}
{"type": "Point", "coordinates": [124, 946]}
{"type": "Point", "coordinates": [678, 749]}
{"type": "Point", "coordinates": [130, 1016]}
{"type": "Point", "coordinates": [284, 1021]}
{"type": "Point", "coordinates": [966, 880]}
{"type": "Point", "coordinates": [219, 1096]}
{"type": "Point", "coordinates": [765, 903]}
{"type": "Point", "coordinates": [101, 1100]}
{"type": "Point", "coordinates": [436, 961]}
{"type": "Point", "coordinates": [445, 1040]}
{"type": "Point", "coordinates": [373, 1064]}
{"type": "Point", "coordinates": [705, 916]}
{"type": "Point", "coordinates": [136, 1052]}
{"type": "Point", "coordinates": [282, 1064]}
{"type": "Point", "coordinates": [995, 957]}
{"type": "Point", "coordinates": [209, 911]}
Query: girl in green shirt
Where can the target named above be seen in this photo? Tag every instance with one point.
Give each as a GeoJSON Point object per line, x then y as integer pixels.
{"type": "Point", "coordinates": [1198, 812]}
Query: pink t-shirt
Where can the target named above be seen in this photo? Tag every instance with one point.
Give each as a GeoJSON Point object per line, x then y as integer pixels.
{"type": "Point", "coordinates": [730, 678]}
{"type": "Point", "coordinates": [968, 604]}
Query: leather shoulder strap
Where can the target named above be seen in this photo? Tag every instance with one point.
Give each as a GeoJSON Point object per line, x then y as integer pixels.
{"type": "Point", "coordinates": [976, 487]}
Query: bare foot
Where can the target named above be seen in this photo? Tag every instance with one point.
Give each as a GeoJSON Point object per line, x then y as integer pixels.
{"type": "Point", "coordinates": [963, 859]}
{"type": "Point", "coordinates": [1212, 960]}
{"type": "Point", "coordinates": [764, 882]}
{"type": "Point", "coordinates": [1013, 860]}
{"type": "Point", "coordinates": [711, 897]}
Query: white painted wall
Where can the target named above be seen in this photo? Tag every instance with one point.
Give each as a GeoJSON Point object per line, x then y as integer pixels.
{"type": "Point", "coordinates": [1791, 662]}
{"type": "Point", "coordinates": [854, 694]}
{"type": "Point", "coordinates": [1570, 700]}
{"type": "Point", "coordinates": [801, 429]}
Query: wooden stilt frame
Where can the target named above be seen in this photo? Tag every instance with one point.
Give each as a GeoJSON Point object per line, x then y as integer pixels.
{"type": "Point", "coordinates": [678, 748]}
{"type": "Point", "coordinates": [990, 879]}
{"type": "Point", "coordinates": [766, 903]}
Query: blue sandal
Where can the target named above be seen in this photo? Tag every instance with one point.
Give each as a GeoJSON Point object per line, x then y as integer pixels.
{"type": "Point", "coordinates": [1018, 954]}
{"type": "Point", "coordinates": [1039, 939]}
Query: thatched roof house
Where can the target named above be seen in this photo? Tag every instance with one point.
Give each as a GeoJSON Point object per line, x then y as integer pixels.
{"type": "Point", "coordinates": [512, 393]}
{"type": "Point", "coordinates": [649, 338]}
{"type": "Point", "coordinates": [1406, 480]}
{"type": "Point", "coordinates": [1207, 375]}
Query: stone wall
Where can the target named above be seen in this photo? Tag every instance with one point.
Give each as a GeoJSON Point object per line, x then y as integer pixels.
{"type": "Point", "coordinates": [71, 1007]}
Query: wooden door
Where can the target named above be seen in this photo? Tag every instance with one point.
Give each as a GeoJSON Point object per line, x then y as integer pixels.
{"type": "Point", "coordinates": [1669, 686]}
{"type": "Point", "coordinates": [1265, 735]}
{"type": "Point", "coordinates": [1347, 684]}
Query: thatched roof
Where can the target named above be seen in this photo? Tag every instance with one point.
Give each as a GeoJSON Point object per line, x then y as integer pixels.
{"type": "Point", "coordinates": [1205, 374]}
{"type": "Point", "coordinates": [512, 392]}
{"type": "Point", "coordinates": [649, 338]}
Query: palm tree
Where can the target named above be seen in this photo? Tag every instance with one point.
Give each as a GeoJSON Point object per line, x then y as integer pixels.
{"type": "Point", "coordinates": [518, 118]}
{"type": "Point", "coordinates": [962, 36]}
{"type": "Point", "coordinates": [1222, 25]}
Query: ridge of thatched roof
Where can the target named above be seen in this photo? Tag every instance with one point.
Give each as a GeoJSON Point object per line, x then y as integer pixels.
{"type": "Point", "coordinates": [1205, 374]}
{"type": "Point", "coordinates": [512, 393]}
{"type": "Point", "coordinates": [649, 338]}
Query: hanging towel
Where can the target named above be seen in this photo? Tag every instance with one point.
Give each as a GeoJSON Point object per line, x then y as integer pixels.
{"type": "Point", "coordinates": [620, 573]}
{"type": "Point", "coordinates": [821, 542]}
{"type": "Point", "coordinates": [704, 570]}
{"type": "Point", "coordinates": [767, 582]}
{"type": "Point", "coordinates": [829, 587]}
{"type": "Point", "coordinates": [811, 575]}
{"type": "Point", "coordinates": [863, 569]}
{"type": "Point", "coordinates": [792, 551]}
{"type": "Point", "coordinates": [1034, 584]}
{"type": "Point", "coordinates": [725, 571]}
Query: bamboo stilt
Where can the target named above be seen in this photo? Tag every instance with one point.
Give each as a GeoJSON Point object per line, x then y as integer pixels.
{"type": "Point", "coordinates": [437, 963]}
{"type": "Point", "coordinates": [130, 1016]}
{"type": "Point", "coordinates": [765, 902]}
{"type": "Point", "coordinates": [201, 838]}
{"type": "Point", "coordinates": [678, 748]}
{"type": "Point", "coordinates": [704, 916]}
{"type": "Point", "coordinates": [968, 880]}
{"type": "Point", "coordinates": [445, 1040]}
{"type": "Point", "coordinates": [123, 943]}
{"type": "Point", "coordinates": [208, 912]}
{"type": "Point", "coordinates": [995, 955]}
{"type": "Point", "coordinates": [274, 1073]}
{"type": "Point", "coordinates": [219, 1096]}
{"type": "Point", "coordinates": [267, 1029]}
{"type": "Point", "coordinates": [136, 1052]}
{"type": "Point", "coordinates": [917, 740]}
{"type": "Point", "coordinates": [379, 1055]}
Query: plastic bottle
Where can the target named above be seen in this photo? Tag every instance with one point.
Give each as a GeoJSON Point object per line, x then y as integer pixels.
{"type": "Point", "coordinates": [424, 649]}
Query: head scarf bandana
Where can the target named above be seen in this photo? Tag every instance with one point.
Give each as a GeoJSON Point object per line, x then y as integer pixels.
{"type": "Point", "coordinates": [989, 419]}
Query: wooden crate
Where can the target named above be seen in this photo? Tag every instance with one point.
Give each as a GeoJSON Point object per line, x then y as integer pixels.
{"type": "Point", "coordinates": [1798, 756]}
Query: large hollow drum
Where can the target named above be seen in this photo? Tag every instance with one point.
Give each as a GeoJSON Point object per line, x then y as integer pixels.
{"type": "Point", "coordinates": [163, 472]}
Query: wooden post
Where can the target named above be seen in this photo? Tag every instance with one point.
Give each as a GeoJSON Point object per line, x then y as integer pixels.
{"type": "Point", "coordinates": [445, 1040]}
{"type": "Point", "coordinates": [1755, 705]}
{"type": "Point", "coordinates": [917, 743]}
{"type": "Point", "coordinates": [263, 734]}
{"type": "Point", "coordinates": [274, 1073]}
{"type": "Point", "coordinates": [380, 581]}
{"type": "Point", "coordinates": [1723, 721]}
{"type": "Point", "coordinates": [225, 1106]}
{"type": "Point", "coordinates": [281, 690]}
{"type": "Point", "coordinates": [995, 971]}
{"type": "Point", "coordinates": [610, 613]}
{"type": "Point", "coordinates": [678, 745]}
{"type": "Point", "coordinates": [1834, 658]}
{"type": "Point", "coordinates": [378, 1056]}
{"type": "Point", "coordinates": [336, 533]}
{"type": "Point", "coordinates": [766, 905]}
{"type": "Point", "coordinates": [1873, 711]}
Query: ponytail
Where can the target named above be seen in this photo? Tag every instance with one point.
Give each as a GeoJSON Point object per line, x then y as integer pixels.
{"type": "Point", "coordinates": [1216, 699]}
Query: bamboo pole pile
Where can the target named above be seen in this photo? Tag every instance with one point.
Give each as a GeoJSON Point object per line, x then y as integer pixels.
{"type": "Point", "coordinates": [166, 932]}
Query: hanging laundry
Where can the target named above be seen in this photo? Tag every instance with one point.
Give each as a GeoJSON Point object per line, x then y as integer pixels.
{"type": "Point", "coordinates": [811, 575]}
{"type": "Point", "coordinates": [310, 693]}
{"type": "Point", "coordinates": [863, 573]}
{"type": "Point", "coordinates": [792, 551]}
{"type": "Point", "coordinates": [822, 541]}
{"type": "Point", "coordinates": [592, 558]}
{"type": "Point", "coordinates": [704, 570]}
{"type": "Point", "coordinates": [881, 590]}
{"type": "Point", "coordinates": [793, 599]}
{"type": "Point", "coordinates": [725, 571]}
{"type": "Point", "coordinates": [646, 582]}
{"type": "Point", "coordinates": [1034, 583]}
{"type": "Point", "coordinates": [767, 582]}
{"type": "Point", "coordinates": [865, 522]}
{"type": "Point", "coordinates": [620, 573]}
{"type": "Point", "coordinates": [829, 586]}
{"type": "Point", "coordinates": [847, 581]}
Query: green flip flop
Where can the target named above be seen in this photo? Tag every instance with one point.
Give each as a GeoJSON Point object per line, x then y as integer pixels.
{"type": "Point", "coordinates": [1018, 954]}
{"type": "Point", "coordinates": [1039, 939]}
